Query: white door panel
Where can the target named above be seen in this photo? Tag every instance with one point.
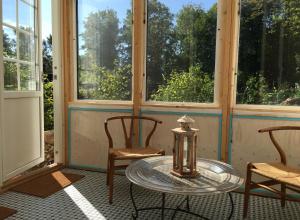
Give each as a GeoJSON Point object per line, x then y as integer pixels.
{"type": "Point", "coordinates": [23, 146]}
{"type": "Point", "coordinates": [21, 90]}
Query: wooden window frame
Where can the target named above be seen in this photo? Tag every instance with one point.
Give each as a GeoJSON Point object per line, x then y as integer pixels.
{"type": "Point", "coordinates": [139, 10]}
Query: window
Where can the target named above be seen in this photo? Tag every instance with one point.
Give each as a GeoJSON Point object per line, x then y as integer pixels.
{"type": "Point", "coordinates": [180, 57]}
{"type": "Point", "coordinates": [19, 45]}
{"type": "Point", "coordinates": [269, 53]}
{"type": "Point", "coordinates": [104, 49]}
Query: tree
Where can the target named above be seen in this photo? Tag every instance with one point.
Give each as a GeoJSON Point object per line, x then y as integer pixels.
{"type": "Point", "coordinates": [100, 39]}
{"type": "Point", "coordinates": [125, 41]}
{"type": "Point", "coordinates": [10, 68]}
{"type": "Point", "coordinates": [160, 44]}
{"type": "Point", "coordinates": [47, 57]}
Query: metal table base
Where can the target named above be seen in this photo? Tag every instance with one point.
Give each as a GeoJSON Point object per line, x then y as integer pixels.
{"type": "Point", "coordinates": [177, 209]}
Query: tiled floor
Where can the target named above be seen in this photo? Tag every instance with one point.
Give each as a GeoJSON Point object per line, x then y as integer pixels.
{"type": "Point", "coordinates": [87, 199]}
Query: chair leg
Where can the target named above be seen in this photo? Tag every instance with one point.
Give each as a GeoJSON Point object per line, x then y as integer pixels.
{"type": "Point", "coordinates": [111, 180]}
{"type": "Point", "coordinates": [107, 169]}
{"type": "Point", "coordinates": [283, 194]}
{"type": "Point", "coordinates": [247, 190]}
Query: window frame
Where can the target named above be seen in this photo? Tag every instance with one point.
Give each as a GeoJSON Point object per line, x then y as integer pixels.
{"type": "Point", "coordinates": [142, 66]}
{"type": "Point", "coordinates": [36, 63]}
{"type": "Point", "coordinates": [217, 74]}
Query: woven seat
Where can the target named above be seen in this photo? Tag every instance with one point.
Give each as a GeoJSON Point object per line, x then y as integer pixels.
{"type": "Point", "coordinates": [135, 153]}
{"type": "Point", "coordinates": [278, 173]}
{"type": "Point", "coordinates": [130, 150]}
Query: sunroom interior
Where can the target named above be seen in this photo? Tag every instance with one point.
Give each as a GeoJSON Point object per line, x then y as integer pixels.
{"type": "Point", "coordinates": [230, 68]}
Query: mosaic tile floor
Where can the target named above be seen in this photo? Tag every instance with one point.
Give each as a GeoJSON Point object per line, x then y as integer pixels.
{"type": "Point", "coordinates": [87, 199]}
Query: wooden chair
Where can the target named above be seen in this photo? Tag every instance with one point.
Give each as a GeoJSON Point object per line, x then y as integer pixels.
{"type": "Point", "coordinates": [278, 173]}
{"type": "Point", "coordinates": [130, 151]}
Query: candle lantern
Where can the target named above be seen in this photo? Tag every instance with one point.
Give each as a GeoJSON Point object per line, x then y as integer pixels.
{"type": "Point", "coordinates": [184, 149]}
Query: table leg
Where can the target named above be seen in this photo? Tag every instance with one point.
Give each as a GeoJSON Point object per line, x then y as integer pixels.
{"type": "Point", "coordinates": [232, 205]}
{"type": "Point", "coordinates": [188, 203]}
{"type": "Point", "coordinates": [134, 215]}
{"type": "Point", "coordinates": [163, 206]}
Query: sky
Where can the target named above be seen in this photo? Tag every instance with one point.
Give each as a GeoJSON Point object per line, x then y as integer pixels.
{"type": "Point", "coordinates": [46, 18]}
{"type": "Point", "coordinates": [89, 6]}
{"type": "Point", "coordinates": [85, 7]}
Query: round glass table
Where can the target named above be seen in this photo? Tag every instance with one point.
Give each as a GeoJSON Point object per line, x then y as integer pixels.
{"type": "Point", "coordinates": [154, 173]}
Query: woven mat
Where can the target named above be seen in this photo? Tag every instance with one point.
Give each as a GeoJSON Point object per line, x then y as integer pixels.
{"type": "Point", "coordinates": [48, 184]}
{"type": "Point", "coordinates": [6, 212]}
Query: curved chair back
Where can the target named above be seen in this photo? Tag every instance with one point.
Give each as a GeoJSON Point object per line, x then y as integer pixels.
{"type": "Point", "coordinates": [128, 135]}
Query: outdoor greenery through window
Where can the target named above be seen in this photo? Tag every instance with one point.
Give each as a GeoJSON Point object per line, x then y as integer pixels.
{"type": "Point", "coordinates": [19, 45]}
{"type": "Point", "coordinates": [104, 44]}
{"type": "Point", "coordinates": [269, 53]}
{"type": "Point", "coordinates": [181, 44]}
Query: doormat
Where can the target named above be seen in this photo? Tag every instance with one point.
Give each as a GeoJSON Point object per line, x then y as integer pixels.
{"type": "Point", "coordinates": [6, 212]}
{"type": "Point", "coordinates": [48, 184]}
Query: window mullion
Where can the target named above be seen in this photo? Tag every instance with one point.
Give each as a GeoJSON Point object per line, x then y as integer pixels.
{"type": "Point", "coordinates": [18, 45]}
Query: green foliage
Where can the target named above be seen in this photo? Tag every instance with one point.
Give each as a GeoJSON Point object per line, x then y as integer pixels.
{"type": "Point", "coordinates": [48, 104]}
{"type": "Point", "coordinates": [191, 86]}
{"type": "Point", "coordinates": [48, 84]}
{"type": "Point", "coordinates": [103, 84]}
{"type": "Point", "coordinates": [258, 92]}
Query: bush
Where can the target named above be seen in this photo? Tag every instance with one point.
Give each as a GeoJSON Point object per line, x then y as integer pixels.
{"type": "Point", "coordinates": [48, 104]}
{"type": "Point", "coordinates": [102, 84]}
{"type": "Point", "coordinates": [191, 86]}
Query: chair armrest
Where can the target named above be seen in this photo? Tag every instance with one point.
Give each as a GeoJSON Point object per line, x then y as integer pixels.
{"type": "Point", "coordinates": [279, 128]}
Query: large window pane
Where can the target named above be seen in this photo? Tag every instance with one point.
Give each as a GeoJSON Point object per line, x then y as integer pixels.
{"type": "Point", "coordinates": [269, 53]}
{"type": "Point", "coordinates": [26, 16]}
{"type": "Point", "coordinates": [10, 76]}
{"type": "Point", "coordinates": [9, 42]}
{"type": "Point", "coordinates": [181, 39]}
{"type": "Point", "coordinates": [104, 49]}
{"type": "Point", "coordinates": [9, 12]}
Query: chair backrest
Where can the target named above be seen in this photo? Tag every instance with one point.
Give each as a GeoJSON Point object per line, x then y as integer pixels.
{"type": "Point", "coordinates": [276, 144]}
{"type": "Point", "coordinates": [128, 135]}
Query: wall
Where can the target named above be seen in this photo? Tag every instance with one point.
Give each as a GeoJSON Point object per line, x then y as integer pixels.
{"type": "Point", "coordinates": [248, 145]}
{"type": "Point", "coordinates": [88, 145]}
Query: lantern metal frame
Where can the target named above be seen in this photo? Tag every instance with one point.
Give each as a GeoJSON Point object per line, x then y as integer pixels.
{"type": "Point", "coordinates": [185, 167]}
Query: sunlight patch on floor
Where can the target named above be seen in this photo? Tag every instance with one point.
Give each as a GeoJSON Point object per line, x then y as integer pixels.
{"type": "Point", "coordinates": [83, 204]}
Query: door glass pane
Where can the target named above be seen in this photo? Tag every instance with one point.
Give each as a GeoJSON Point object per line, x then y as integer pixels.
{"type": "Point", "coordinates": [26, 16]}
{"type": "Point", "coordinates": [9, 42]}
{"type": "Point", "coordinates": [10, 76]}
{"type": "Point", "coordinates": [9, 12]}
{"type": "Point", "coordinates": [28, 77]}
{"type": "Point", "coordinates": [26, 47]}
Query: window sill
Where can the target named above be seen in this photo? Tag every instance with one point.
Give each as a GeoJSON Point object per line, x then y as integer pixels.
{"type": "Point", "coordinates": [100, 102]}
{"type": "Point", "coordinates": [187, 105]}
{"type": "Point", "coordinates": [266, 110]}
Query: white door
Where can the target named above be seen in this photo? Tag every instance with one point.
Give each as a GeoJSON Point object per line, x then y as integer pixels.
{"type": "Point", "coordinates": [22, 90]}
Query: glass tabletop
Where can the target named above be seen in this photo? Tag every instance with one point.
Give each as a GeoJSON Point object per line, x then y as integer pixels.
{"type": "Point", "coordinates": [154, 173]}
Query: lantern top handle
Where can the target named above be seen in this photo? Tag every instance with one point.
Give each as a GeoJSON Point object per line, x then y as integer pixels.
{"type": "Point", "coordinates": [186, 119]}
{"type": "Point", "coordinates": [185, 122]}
